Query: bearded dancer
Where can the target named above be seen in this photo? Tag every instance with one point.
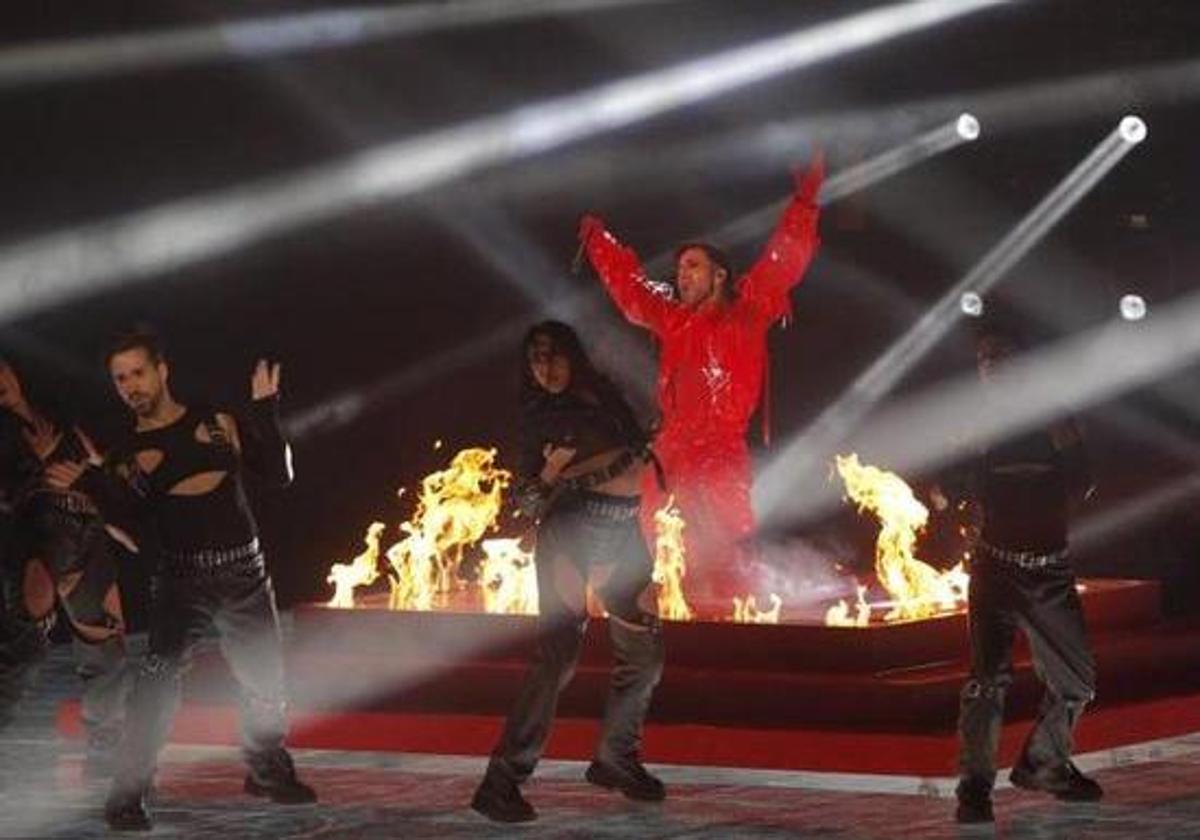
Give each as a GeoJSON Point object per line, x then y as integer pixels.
{"type": "Point", "coordinates": [181, 470]}
{"type": "Point", "coordinates": [713, 363]}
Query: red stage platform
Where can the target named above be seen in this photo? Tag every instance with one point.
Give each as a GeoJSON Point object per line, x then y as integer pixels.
{"type": "Point", "coordinates": [799, 696]}
{"type": "Point", "coordinates": [904, 676]}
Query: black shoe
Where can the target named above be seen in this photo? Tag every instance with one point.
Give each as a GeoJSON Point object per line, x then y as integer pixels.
{"type": "Point", "coordinates": [273, 776]}
{"type": "Point", "coordinates": [127, 811]}
{"type": "Point", "coordinates": [1065, 782]}
{"type": "Point", "coordinates": [974, 802]}
{"type": "Point", "coordinates": [499, 799]}
{"type": "Point", "coordinates": [631, 778]}
{"type": "Point", "coordinates": [974, 809]}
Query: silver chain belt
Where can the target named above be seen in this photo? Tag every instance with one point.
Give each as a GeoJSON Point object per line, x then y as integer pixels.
{"type": "Point", "coordinates": [595, 506]}
{"type": "Point", "coordinates": [1024, 559]}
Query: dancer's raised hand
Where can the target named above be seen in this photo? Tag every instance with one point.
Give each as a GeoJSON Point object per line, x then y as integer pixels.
{"type": "Point", "coordinates": [264, 382]}
{"type": "Point", "coordinates": [590, 226]}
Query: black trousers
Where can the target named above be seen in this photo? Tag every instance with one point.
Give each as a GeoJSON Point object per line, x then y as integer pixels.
{"type": "Point", "coordinates": [22, 648]}
{"type": "Point", "coordinates": [238, 601]}
{"type": "Point", "coordinates": [1043, 602]}
{"type": "Point", "coordinates": [21, 644]}
{"type": "Point", "coordinates": [590, 533]}
{"type": "Point", "coordinates": [70, 544]}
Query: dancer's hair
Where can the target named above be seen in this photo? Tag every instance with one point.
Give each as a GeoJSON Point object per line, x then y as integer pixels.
{"type": "Point", "coordinates": [586, 381]}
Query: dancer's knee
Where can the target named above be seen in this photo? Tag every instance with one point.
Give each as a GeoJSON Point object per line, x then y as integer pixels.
{"type": "Point", "coordinates": [87, 603]}
{"type": "Point", "coordinates": [985, 690]}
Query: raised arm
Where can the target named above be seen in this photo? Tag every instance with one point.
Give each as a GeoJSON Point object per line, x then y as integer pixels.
{"type": "Point", "coordinates": [790, 249]}
{"type": "Point", "coordinates": [265, 451]}
{"type": "Point", "coordinates": [624, 278]}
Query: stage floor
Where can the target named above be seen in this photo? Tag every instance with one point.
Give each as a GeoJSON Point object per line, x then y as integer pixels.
{"type": "Point", "coordinates": [376, 795]}
{"type": "Point", "coordinates": [1153, 792]}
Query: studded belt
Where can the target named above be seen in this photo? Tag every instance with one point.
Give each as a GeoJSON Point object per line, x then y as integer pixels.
{"type": "Point", "coordinates": [241, 559]}
{"type": "Point", "coordinates": [603, 506]}
{"type": "Point", "coordinates": [606, 473]}
{"type": "Point", "coordinates": [66, 502]}
{"type": "Point", "coordinates": [1024, 559]}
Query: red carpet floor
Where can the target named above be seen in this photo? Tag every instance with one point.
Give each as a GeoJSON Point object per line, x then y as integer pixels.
{"type": "Point", "coordinates": [787, 749]}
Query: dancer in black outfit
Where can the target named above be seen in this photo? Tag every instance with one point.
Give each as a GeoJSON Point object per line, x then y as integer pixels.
{"type": "Point", "coordinates": [22, 643]}
{"type": "Point", "coordinates": [580, 474]}
{"type": "Point", "coordinates": [58, 556]}
{"type": "Point", "coordinates": [181, 472]}
{"type": "Point", "coordinates": [1021, 576]}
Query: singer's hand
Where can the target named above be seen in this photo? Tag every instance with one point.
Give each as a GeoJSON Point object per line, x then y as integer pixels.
{"type": "Point", "coordinates": [808, 182]}
{"type": "Point", "coordinates": [590, 226]}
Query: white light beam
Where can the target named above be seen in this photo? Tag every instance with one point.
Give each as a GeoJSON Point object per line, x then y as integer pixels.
{"type": "Point", "coordinates": [814, 443]}
{"type": "Point", "coordinates": [45, 271]}
{"type": "Point", "coordinates": [266, 37]}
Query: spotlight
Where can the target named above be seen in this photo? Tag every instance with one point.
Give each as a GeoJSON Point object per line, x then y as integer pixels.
{"type": "Point", "coordinates": [968, 127]}
{"type": "Point", "coordinates": [971, 304]}
{"type": "Point", "coordinates": [1133, 308]}
{"type": "Point", "coordinates": [776, 480]}
{"type": "Point", "coordinates": [1133, 130]}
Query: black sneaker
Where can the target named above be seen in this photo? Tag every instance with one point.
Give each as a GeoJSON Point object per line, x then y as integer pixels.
{"type": "Point", "coordinates": [974, 802]}
{"type": "Point", "coordinates": [974, 809]}
{"type": "Point", "coordinates": [126, 810]}
{"type": "Point", "coordinates": [273, 776]}
{"type": "Point", "coordinates": [1065, 782]}
{"type": "Point", "coordinates": [499, 799]}
{"type": "Point", "coordinates": [631, 778]}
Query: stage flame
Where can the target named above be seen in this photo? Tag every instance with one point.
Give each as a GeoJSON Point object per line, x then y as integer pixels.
{"type": "Point", "coordinates": [414, 565]}
{"type": "Point", "coordinates": [458, 505]}
{"type": "Point", "coordinates": [839, 614]}
{"type": "Point", "coordinates": [508, 578]}
{"type": "Point", "coordinates": [917, 589]}
{"type": "Point", "coordinates": [746, 611]}
{"type": "Point", "coordinates": [363, 570]}
{"type": "Point", "coordinates": [670, 562]}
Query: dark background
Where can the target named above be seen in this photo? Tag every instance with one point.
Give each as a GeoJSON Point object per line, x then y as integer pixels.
{"type": "Point", "coordinates": [392, 302]}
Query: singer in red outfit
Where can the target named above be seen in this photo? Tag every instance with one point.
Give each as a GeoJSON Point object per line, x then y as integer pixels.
{"type": "Point", "coordinates": [713, 343]}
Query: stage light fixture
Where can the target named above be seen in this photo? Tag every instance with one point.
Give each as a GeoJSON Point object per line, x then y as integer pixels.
{"type": "Point", "coordinates": [968, 127]}
{"type": "Point", "coordinates": [1133, 130]}
{"type": "Point", "coordinates": [1133, 307]}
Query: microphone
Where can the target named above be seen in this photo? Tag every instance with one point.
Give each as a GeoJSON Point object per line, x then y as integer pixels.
{"type": "Point", "coordinates": [577, 260]}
